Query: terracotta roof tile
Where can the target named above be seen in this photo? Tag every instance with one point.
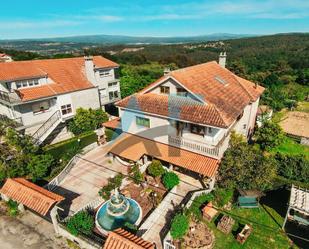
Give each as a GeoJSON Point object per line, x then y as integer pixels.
{"type": "Point", "coordinates": [30, 195]}
{"type": "Point", "coordinates": [225, 93]}
{"type": "Point", "coordinates": [67, 74]}
{"type": "Point", "coordinates": [175, 107]}
{"type": "Point", "coordinates": [121, 239]}
{"type": "Point", "coordinates": [113, 124]}
{"type": "Point", "coordinates": [133, 147]}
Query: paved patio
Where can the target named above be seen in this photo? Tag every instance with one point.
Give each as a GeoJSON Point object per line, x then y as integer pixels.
{"type": "Point", "coordinates": [86, 178]}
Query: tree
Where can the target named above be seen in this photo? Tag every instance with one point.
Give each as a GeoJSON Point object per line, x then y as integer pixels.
{"type": "Point", "coordinates": [179, 226]}
{"type": "Point", "coordinates": [293, 167]}
{"type": "Point", "coordinates": [170, 180]}
{"type": "Point", "coordinates": [39, 166]}
{"type": "Point", "coordinates": [269, 135]}
{"type": "Point", "coordinates": [87, 120]}
{"type": "Point", "coordinates": [155, 169]}
{"type": "Point", "coordinates": [245, 166]}
{"type": "Point", "coordinates": [82, 222]}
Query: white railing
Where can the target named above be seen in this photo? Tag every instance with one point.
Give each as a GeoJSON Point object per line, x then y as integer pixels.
{"type": "Point", "coordinates": [60, 177]}
{"type": "Point", "coordinates": [194, 146]}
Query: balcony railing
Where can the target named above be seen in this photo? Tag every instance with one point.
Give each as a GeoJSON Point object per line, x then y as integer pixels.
{"type": "Point", "coordinates": [10, 98]}
{"type": "Point", "coordinates": [198, 147]}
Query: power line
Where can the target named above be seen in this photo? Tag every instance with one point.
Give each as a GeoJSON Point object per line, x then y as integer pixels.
{"type": "Point", "coordinates": [179, 195]}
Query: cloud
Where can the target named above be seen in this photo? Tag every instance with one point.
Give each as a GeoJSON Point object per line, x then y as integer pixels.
{"type": "Point", "coordinates": [37, 24]}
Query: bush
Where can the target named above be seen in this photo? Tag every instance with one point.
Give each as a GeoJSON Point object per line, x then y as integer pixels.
{"type": "Point", "coordinates": [269, 135]}
{"type": "Point", "coordinates": [130, 227]}
{"type": "Point", "coordinates": [223, 196]}
{"type": "Point", "coordinates": [293, 167]}
{"type": "Point", "coordinates": [195, 208]}
{"type": "Point", "coordinates": [179, 226]}
{"type": "Point", "coordinates": [81, 223]}
{"type": "Point", "coordinates": [170, 180]}
{"type": "Point", "coordinates": [39, 166]}
{"type": "Point", "coordinates": [136, 174]}
{"type": "Point", "coordinates": [12, 208]}
{"type": "Point", "coordinates": [155, 169]}
{"type": "Point", "coordinates": [113, 183]}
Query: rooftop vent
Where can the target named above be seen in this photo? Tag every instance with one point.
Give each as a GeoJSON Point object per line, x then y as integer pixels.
{"type": "Point", "coordinates": [220, 80]}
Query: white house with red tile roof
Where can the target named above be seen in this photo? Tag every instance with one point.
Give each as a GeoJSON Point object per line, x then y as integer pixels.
{"type": "Point", "coordinates": [5, 58]}
{"type": "Point", "coordinates": [193, 109]}
{"type": "Point", "coordinates": [42, 94]}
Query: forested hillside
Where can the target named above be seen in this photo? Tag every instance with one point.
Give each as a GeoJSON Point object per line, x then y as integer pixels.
{"type": "Point", "coordinates": [278, 62]}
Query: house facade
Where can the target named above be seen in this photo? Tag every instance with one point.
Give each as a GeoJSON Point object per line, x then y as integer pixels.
{"type": "Point", "coordinates": [5, 58]}
{"type": "Point", "coordinates": [42, 94]}
{"type": "Point", "coordinates": [193, 110]}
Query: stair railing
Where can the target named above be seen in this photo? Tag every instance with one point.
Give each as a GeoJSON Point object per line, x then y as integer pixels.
{"type": "Point", "coordinates": [46, 126]}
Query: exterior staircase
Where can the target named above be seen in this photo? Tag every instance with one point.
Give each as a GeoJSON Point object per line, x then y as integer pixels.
{"type": "Point", "coordinates": [47, 128]}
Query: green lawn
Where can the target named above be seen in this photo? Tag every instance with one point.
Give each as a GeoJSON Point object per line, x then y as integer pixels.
{"type": "Point", "coordinates": [266, 232]}
{"type": "Point", "coordinates": [289, 146]}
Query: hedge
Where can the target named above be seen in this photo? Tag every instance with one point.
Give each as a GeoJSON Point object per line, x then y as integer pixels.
{"type": "Point", "coordinates": [59, 149]}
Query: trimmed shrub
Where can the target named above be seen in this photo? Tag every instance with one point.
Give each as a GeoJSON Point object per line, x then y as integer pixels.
{"type": "Point", "coordinates": [155, 169]}
{"type": "Point", "coordinates": [130, 227]}
{"type": "Point", "coordinates": [81, 223]}
{"type": "Point", "coordinates": [179, 226]}
{"type": "Point", "coordinates": [12, 208]}
{"type": "Point", "coordinates": [59, 150]}
{"type": "Point", "coordinates": [170, 180]}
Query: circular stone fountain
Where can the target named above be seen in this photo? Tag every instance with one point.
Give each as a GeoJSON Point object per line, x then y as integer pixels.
{"type": "Point", "coordinates": [117, 211]}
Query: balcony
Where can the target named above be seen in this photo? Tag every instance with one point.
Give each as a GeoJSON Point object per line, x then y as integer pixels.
{"type": "Point", "coordinates": [9, 98]}
{"type": "Point", "coordinates": [199, 147]}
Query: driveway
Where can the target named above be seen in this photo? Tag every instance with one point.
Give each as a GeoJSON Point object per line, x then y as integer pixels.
{"type": "Point", "coordinates": [86, 178]}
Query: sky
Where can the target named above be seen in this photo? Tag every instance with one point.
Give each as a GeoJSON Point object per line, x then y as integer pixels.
{"type": "Point", "coordinates": [54, 18]}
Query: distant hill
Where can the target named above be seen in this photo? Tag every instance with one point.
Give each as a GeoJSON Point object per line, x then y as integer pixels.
{"type": "Point", "coordinates": [121, 39]}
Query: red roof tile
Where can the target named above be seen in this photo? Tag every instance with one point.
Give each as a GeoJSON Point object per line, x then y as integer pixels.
{"type": "Point", "coordinates": [113, 124]}
{"type": "Point", "coordinates": [121, 239]}
{"type": "Point", "coordinates": [225, 93]}
{"type": "Point", "coordinates": [133, 147]}
{"type": "Point", "coordinates": [67, 74]}
{"type": "Point", "coordinates": [30, 195]}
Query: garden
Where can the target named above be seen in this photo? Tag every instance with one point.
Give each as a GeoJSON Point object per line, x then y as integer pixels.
{"type": "Point", "coordinates": [223, 229]}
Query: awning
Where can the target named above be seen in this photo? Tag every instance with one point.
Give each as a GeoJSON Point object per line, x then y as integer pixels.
{"type": "Point", "coordinates": [133, 147]}
{"type": "Point", "coordinates": [30, 195]}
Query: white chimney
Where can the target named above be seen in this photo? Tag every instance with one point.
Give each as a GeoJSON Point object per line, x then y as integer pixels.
{"type": "Point", "coordinates": [222, 59]}
{"type": "Point", "coordinates": [167, 70]}
{"type": "Point", "coordinates": [89, 68]}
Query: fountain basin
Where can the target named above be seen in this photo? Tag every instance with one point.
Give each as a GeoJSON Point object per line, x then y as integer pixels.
{"type": "Point", "coordinates": [106, 221]}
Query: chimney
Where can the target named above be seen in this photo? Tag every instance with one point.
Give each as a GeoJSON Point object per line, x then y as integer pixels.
{"type": "Point", "coordinates": [167, 70]}
{"type": "Point", "coordinates": [89, 69]}
{"type": "Point", "coordinates": [222, 59]}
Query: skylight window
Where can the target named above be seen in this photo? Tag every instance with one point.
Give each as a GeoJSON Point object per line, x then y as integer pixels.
{"type": "Point", "coordinates": [220, 80]}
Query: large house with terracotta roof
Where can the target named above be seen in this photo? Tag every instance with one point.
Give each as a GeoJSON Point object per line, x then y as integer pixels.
{"type": "Point", "coordinates": [42, 94]}
{"type": "Point", "coordinates": [185, 118]}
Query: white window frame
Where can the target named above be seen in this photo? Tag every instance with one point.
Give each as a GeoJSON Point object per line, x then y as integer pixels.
{"type": "Point", "coordinates": [65, 108]}
{"type": "Point", "coordinates": [104, 73]}
{"type": "Point", "coordinates": [26, 83]}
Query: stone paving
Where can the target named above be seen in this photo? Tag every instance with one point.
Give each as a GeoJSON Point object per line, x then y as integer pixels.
{"type": "Point", "coordinates": [86, 178]}
{"type": "Point", "coordinates": [153, 228]}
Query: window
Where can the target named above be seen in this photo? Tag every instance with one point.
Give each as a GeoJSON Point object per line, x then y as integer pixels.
{"type": "Point", "coordinates": [103, 92]}
{"type": "Point", "coordinates": [27, 83]}
{"type": "Point", "coordinates": [182, 92]}
{"type": "Point", "coordinates": [165, 89]}
{"type": "Point", "coordinates": [113, 95]}
{"type": "Point", "coordinates": [104, 73]}
{"type": "Point", "coordinates": [40, 107]}
{"type": "Point", "coordinates": [112, 84]}
{"type": "Point", "coordinates": [143, 122]}
{"type": "Point", "coordinates": [197, 129]}
{"type": "Point", "coordinates": [66, 109]}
